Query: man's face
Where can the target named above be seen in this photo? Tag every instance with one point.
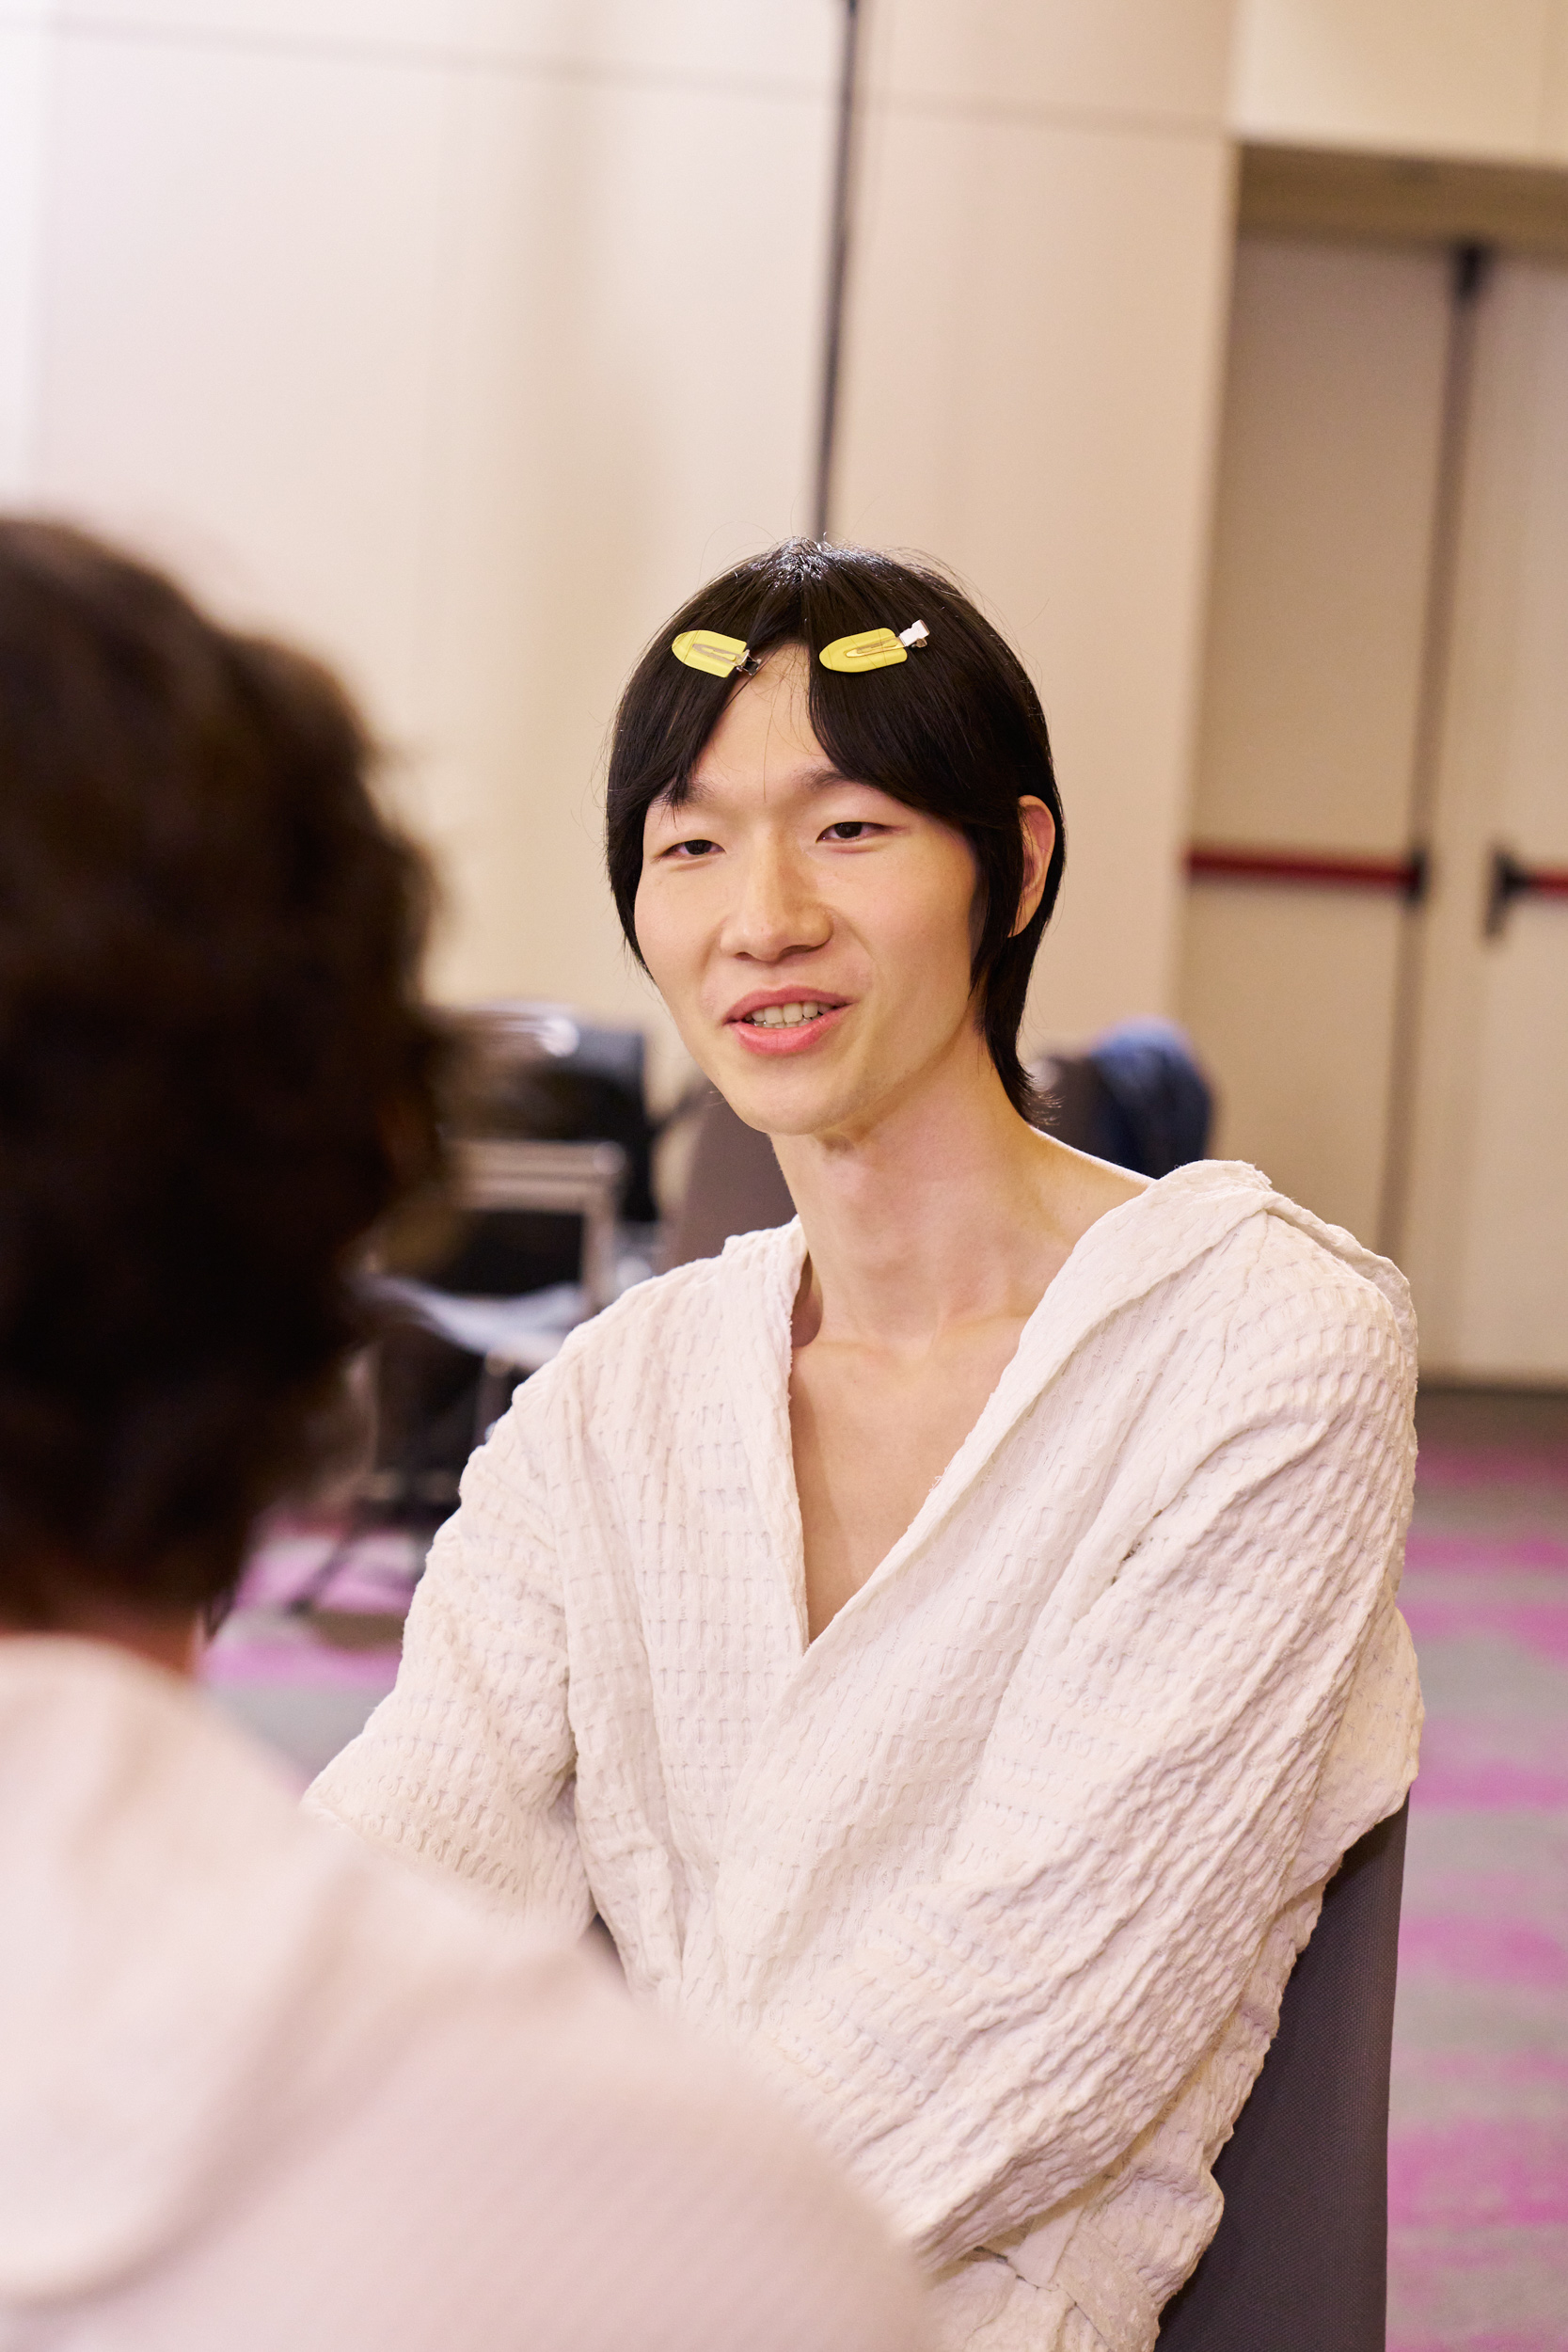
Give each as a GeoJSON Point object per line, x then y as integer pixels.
{"type": "Point", "coordinates": [810, 936]}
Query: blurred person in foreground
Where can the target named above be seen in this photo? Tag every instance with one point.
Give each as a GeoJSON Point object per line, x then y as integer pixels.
{"type": "Point", "coordinates": [951, 1639]}
{"type": "Point", "coordinates": [256, 2088]}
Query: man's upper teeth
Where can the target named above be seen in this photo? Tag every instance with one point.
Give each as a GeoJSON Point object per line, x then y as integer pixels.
{"type": "Point", "coordinates": [786, 1016]}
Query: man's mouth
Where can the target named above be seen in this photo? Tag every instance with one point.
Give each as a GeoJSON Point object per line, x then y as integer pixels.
{"type": "Point", "coordinates": [786, 1016]}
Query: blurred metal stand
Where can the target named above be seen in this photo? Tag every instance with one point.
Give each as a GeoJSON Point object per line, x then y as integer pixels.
{"type": "Point", "coordinates": [581, 1180]}
{"type": "Point", "coordinates": [550, 1147]}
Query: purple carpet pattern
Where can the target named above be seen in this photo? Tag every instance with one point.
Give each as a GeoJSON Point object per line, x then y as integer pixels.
{"type": "Point", "coordinates": [1479, 2131]}
{"type": "Point", "coordinates": [1479, 2137]}
{"type": "Point", "coordinates": [313, 1643]}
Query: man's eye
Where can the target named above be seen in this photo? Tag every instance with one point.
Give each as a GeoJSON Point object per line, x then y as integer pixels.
{"type": "Point", "coordinates": [850, 829]}
{"type": "Point", "coordinates": [690, 849]}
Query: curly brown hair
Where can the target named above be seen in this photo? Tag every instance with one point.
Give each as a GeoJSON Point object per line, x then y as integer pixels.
{"type": "Point", "coordinates": [215, 1074]}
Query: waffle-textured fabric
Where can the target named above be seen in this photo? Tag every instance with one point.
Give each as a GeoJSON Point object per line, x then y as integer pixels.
{"type": "Point", "coordinates": [260, 2092]}
{"type": "Point", "coordinates": [1003, 1875]}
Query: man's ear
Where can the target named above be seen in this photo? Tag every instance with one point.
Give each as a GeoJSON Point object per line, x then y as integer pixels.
{"type": "Point", "coordinates": [1039, 840]}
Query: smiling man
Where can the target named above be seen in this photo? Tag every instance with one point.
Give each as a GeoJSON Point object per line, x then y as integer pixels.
{"type": "Point", "coordinates": [951, 1639]}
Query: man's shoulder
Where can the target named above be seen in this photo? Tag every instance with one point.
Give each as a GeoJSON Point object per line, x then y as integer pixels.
{"type": "Point", "coordinates": [1332, 1290]}
{"type": "Point", "coordinates": [1274, 1264]}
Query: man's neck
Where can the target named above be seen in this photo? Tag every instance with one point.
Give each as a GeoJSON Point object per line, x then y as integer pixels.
{"type": "Point", "coordinates": [949, 1209]}
{"type": "Point", "coordinates": [171, 1640]}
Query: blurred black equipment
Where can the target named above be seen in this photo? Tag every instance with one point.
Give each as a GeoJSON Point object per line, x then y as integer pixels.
{"type": "Point", "coordinates": [549, 1204]}
{"type": "Point", "coordinates": [543, 1074]}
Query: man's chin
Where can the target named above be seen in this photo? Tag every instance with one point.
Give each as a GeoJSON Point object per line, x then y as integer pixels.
{"type": "Point", "coordinates": [785, 1103]}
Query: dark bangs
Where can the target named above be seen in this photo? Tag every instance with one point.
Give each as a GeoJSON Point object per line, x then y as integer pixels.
{"type": "Point", "coordinates": [956, 731]}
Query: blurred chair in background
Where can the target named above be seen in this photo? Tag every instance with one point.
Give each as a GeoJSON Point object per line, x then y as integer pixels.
{"type": "Point", "coordinates": [549, 1214]}
{"type": "Point", "coordinates": [734, 1185]}
{"type": "Point", "coordinates": [1300, 2261]}
{"type": "Point", "coordinates": [447, 1358]}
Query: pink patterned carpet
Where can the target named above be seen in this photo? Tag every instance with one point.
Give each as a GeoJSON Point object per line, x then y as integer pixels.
{"type": "Point", "coordinates": [306, 1677]}
{"type": "Point", "coordinates": [1478, 2136]}
{"type": "Point", "coordinates": [1478, 2141]}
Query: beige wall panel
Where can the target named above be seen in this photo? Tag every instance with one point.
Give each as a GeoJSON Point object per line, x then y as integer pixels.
{"type": "Point", "coordinates": [1290, 996]}
{"type": "Point", "coordinates": [1031, 396]}
{"type": "Point", "coordinates": [1433, 78]}
{"type": "Point", "coordinates": [724, 40]}
{"type": "Point", "coordinates": [1328, 456]}
{"type": "Point", "coordinates": [782, 44]}
{"type": "Point", "coordinates": [26, 58]}
{"type": "Point", "coordinates": [1554, 107]}
{"type": "Point", "coordinates": [462, 336]}
{"type": "Point", "coordinates": [316, 23]}
{"type": "Point", "coordinates": [239, 271]}
{"type": "Point", "coordinates": [629, 344]}
{"type": "Point", "coordinates": [1487, 1246]}
{"type": "Point", "coordinates": [464, 374]}
{"type": "Point", "coordinates": [1127, 57]}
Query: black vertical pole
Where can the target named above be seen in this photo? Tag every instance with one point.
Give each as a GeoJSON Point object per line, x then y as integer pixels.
{"type": "Point", "coordinates": [838, 268]}
{"type": "Point", "coordinates": [1470, 265]}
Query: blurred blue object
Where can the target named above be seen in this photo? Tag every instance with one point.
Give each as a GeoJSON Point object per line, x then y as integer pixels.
{"type": "Point", "coordinates": [1137, 1097]}
{"type": "Point", "coordinates": [1157, 1106]}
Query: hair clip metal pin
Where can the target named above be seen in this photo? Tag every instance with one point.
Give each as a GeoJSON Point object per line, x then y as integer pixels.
{"type": "Point", "coordinates": [878, 650]}
{"type": "Point", "coordinates": [706, 649]}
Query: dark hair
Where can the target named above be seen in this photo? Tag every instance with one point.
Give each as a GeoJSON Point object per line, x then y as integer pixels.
{"type": "Point", "coordinates": [957, 731]}
{"type": "Point", "coordinates": [215, 1074]}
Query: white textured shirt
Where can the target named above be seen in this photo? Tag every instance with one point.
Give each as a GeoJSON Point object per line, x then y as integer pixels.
{"type": "Point", "coordinates": [260, 2092]}
{"type": "Point", "coordinates": [1003, 1875]}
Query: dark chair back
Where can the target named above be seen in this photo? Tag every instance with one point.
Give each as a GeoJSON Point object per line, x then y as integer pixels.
{"type": "Point", "coordinates": [734, 1186]}
{"type": "Point", "coordinates": [1300, 2261]}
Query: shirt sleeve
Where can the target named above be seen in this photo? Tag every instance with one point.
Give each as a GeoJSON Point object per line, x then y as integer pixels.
{"type": "Point", "coordinates": [467, 1768]}
{"type": "Point", "coordinates": [1003, 2034]}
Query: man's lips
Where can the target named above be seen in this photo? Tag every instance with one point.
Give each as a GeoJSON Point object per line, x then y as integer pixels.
{"type": "Point", "coordinates": [763, 999]}
{"type": "Point", "coordinates": [785, 1037]}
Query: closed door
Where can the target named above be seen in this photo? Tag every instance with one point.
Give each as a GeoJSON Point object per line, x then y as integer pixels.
{"type": "Point", "coordinates": [1387, 672]}
{"type": "Point", "coordinates": [1310, 711]}
{"type": "Point", "coordinates": [1485, 1232]}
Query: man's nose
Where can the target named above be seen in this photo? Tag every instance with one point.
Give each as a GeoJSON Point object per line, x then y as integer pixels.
{"type": "Point", "coordinates": [777, 909]}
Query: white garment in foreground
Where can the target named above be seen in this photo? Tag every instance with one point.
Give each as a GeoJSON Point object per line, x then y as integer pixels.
{"type": "Point", "coordinates": [1003, 1874]}
{"type": "Point", "coordinates": [261, 2093]}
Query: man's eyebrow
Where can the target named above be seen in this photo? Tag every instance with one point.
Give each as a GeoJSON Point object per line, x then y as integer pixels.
{"type": "Point", "coordinates": [694, 793]}
{"type": "Point", "coordinates": [681, 793]}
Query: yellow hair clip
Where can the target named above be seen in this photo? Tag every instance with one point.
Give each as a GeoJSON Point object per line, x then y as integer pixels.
{"type": "Point", "coordinates": [706, 649]}
{"type": "Point", "coordinates": [878, 650]}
